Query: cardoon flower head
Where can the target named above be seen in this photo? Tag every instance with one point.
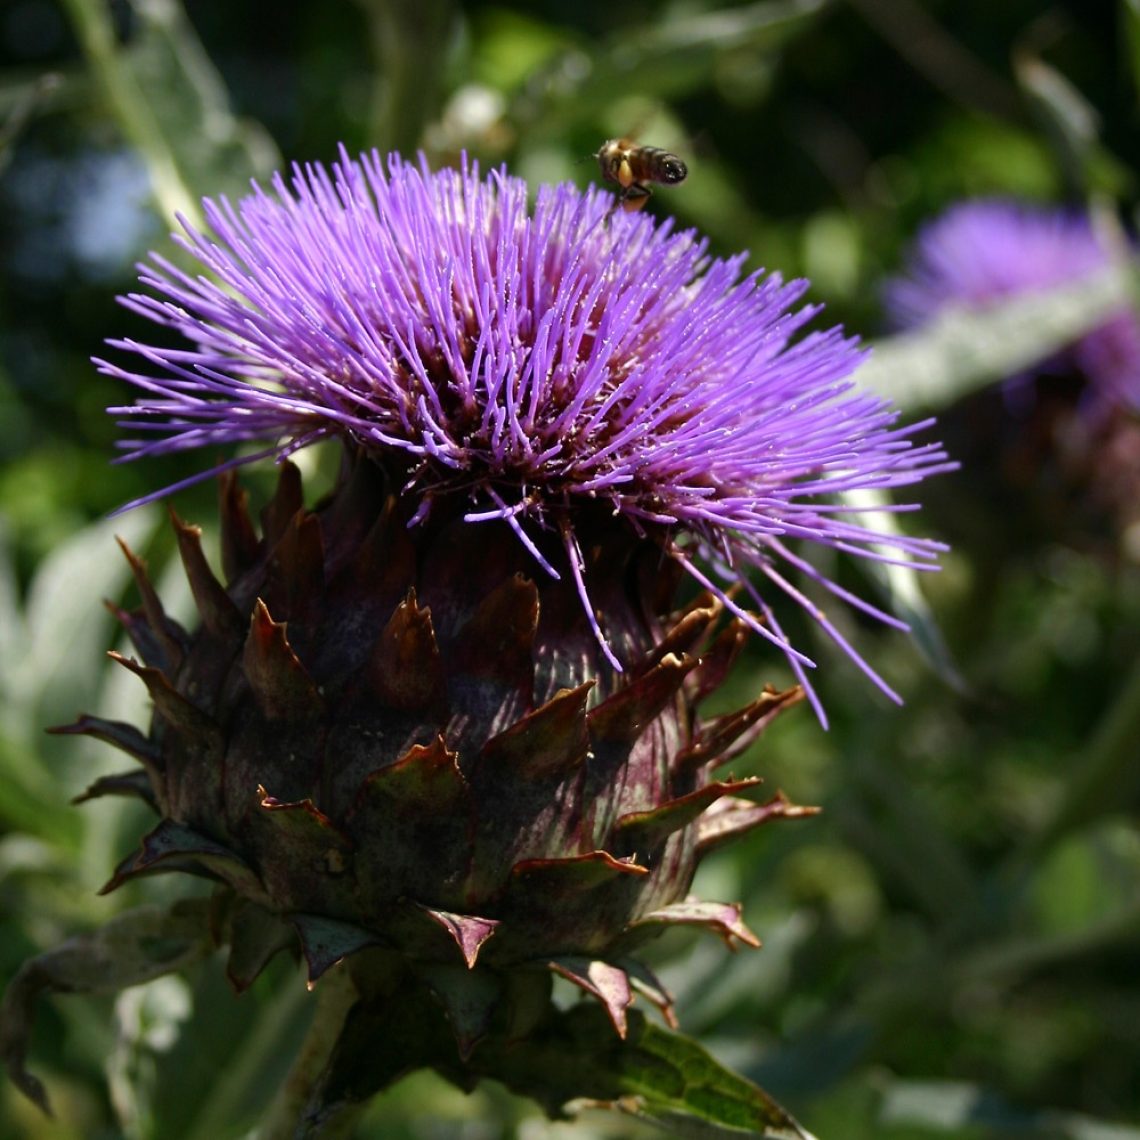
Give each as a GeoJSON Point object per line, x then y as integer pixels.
{"type": "Point", "coordinates": [981, 251]}
{"type": "Point", "coordinates": [444, 727]}
{"type": "Point", "coordinates": [535, 366]}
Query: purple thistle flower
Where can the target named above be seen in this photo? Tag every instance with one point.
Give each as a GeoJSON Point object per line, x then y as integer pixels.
{"type": "Point", "coordinates": [533, 362]}
{"type": "Point", "coordinates": [981, 251]}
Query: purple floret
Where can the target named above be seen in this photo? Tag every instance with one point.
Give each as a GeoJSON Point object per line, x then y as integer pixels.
{"type": "Point", "coordinates": [982, 251]}
{"type": "Point", "coordinates": [529, 360]}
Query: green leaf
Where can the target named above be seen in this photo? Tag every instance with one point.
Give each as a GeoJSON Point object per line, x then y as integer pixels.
{"type": "Point", "coordinates": [655, 1074]}
{"type": "Point", "coordinates": [50, 666]}
{"type": "Point", "coordinates": [570, 1060]}
{"type": "Point", "coordinates": [136, 946]}
{"type": "Point", "coordinates": [61, 668]}
{"type": "Point", "coordinates": [963, 350]}
{"type": "Point", "coordinates": [32, 802]}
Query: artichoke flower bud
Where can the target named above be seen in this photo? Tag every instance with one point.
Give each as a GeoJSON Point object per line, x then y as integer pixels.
{"type": "Point", "coordinates": [444, 727]}
{"type": "Point", "coordinates": [407, 737]}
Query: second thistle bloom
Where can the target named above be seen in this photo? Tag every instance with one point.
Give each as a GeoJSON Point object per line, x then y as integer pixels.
{"type": "Point", "coordinates": [533, 363]}
{"type": "Point", "coordinates": [983, 251]}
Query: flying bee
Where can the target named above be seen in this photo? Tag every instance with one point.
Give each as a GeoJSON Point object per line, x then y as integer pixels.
{"type": "Point", "coordinates": [634, 167]}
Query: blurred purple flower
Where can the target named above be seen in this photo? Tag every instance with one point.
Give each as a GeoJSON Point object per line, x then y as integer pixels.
{"type": "Point", "coordinates": [984, 250]}
{"type": "Point", "coordinates": [533, 362]}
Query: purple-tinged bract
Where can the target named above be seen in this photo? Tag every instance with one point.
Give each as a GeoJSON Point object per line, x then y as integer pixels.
{"type": "Point", "coordinates": [982, 251]}
{"type": "Point", "coordinates": [531, 361]}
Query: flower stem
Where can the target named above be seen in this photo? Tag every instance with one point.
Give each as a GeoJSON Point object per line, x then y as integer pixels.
{"type": "Point", "coordinates": [294, 1114]}
{"type": "Point", "coordinates": [227, 1094]}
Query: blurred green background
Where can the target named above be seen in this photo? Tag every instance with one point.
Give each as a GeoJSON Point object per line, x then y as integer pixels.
{"type": "Point", "coordinates": [952, 949]}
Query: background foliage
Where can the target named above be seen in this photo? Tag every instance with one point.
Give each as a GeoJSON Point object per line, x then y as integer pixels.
{"type": "Point", "coordinates": [951, 946]}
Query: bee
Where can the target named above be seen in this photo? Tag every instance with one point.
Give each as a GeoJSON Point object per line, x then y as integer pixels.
{"type": "Point", "coordinates": [633, 167]}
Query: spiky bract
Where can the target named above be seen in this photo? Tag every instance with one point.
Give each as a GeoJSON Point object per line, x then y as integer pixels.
{"type": "Point", "coordinates": [402, 733]}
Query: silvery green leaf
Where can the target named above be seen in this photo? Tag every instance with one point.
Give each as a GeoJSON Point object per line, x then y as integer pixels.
{"type": "Point", "coordinates": [953, 1105]}
{"type": "Point", "coordinates": [901, 586]}
{"type": "Point", "coordinates": [66, 629]}
{"type": "Point", "coordinates": [963, 350]}
{"type": "Point", "coordinates": [136, 946]}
